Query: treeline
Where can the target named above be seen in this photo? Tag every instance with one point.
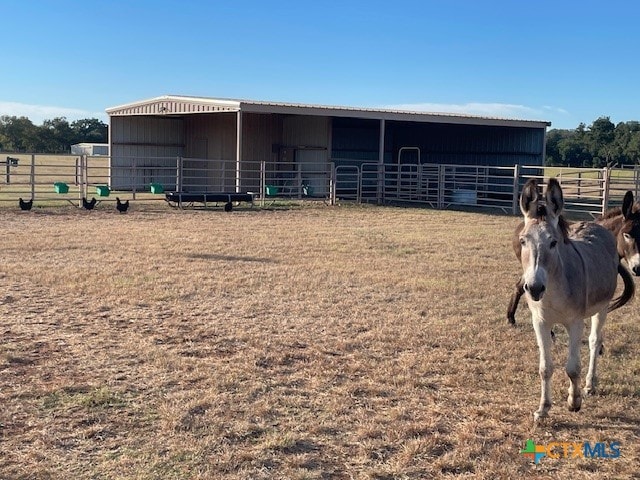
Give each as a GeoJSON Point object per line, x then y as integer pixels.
{"type": "Point", "coordinates": [19, 134]}
{"type": "Point", "coordinates": [598, 145]}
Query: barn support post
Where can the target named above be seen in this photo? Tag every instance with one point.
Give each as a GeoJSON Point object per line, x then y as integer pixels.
{"type": "Point", "coordinates": [516, 188]}
{"type": "Point", "coordinates": [380, 169]}
{"type": "Point", "coordinates": [238, 149]}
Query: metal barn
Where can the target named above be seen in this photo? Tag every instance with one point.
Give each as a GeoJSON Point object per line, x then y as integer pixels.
{"type": "Point", "coordinates": [238, 145]}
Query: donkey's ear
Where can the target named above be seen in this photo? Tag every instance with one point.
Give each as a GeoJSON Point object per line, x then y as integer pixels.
{"type": "Point", "coordinates": [627, 205]}
{"type": "Point", "coordinates": [529, 199]}
{"type": "Point", "coordinates": [555, 200]}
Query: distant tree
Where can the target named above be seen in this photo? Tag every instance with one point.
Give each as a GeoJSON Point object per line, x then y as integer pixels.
{"type": "Point", "coordinates": [56, 135]}
{"type": "Point", "coordinates": [553, 156]}
{"type": "Point", "coordinates": [600, 144]}
{"type": "Point", "coordinates": [632, 149]}
{"type": "Point", "coordinates": [574, 152]}
{"type": "Point", "coordinates": [601, 136]}
{"type": "Point", "coordinates": [90, 130]}
{"type": "Point", "coordinates": [17, 134]}
{"type": "Point", "coordinates": [627, 135]}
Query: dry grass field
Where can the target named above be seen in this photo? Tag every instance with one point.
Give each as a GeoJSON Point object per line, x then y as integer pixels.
{"type": "Point", "coordinates": [309, 343]}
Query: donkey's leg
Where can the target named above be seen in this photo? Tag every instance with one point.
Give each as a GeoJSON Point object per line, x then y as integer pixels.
{"type": "Point", "coordinates": [574, 400]}
{"type": "Point", "coordinates": [543, 336]}
{"type": "Point", "coordinates": [596, 338]}
{"type": "Point", "coordinates": [513, 302]}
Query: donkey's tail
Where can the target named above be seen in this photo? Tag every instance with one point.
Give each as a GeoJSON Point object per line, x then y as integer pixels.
{"type": "Point", "coordinates": [629, 289]}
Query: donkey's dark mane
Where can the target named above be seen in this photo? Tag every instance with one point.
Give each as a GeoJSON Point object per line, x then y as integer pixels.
{"type": "Point", "coordinates": [563, 224]}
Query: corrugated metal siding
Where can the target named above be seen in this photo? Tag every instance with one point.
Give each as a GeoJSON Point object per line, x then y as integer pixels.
{"type": "Point", "coordinates": [174, 104]}
{"type": "Point", "coordinates": [153, 142]}
{"type": "Point", "coordinates": [219, 131]}
{"type": "Point", "coordinates": [169, 107]}
{"type": "Point", "coordinates": [463, 144]}
{"type": "Point", "coordinates": [305, 130]}
{"type": "Point", "coordinates": [313, 132]}
{"type": "Point", "coordinates": [260, 134]}
{"type": "Point", "coordinates": [356, 141]}
{"type": "Point", "coordinates": [211, 137]}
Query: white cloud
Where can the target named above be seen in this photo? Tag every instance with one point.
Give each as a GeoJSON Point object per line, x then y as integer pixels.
{"type": "Point", "coordinates": [500, 110]}
{"type": "Point", "coordinates": [39, 113]}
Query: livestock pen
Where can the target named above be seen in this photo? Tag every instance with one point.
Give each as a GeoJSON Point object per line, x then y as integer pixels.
{"type": "Point", "coordinates": [62, 180]}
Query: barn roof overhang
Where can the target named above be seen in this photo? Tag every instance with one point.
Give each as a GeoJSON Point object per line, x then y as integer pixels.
{"type": "Point", "coordinates": [172, 105]}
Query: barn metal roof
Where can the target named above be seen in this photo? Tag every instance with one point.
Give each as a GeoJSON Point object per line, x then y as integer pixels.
{"type": "Point", "coordinates": [185, 105]}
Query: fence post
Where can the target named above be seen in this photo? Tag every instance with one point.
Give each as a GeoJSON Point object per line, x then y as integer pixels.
{"type": "Point", "coordinates": [33, 175]}
{"type": "Point", "coordinates": [85, 163]}
{"type": "Point", "coordinates": [381, 179]}
{"type": "Point", "coordinates": [332, 185]}
{"type": "Point", "coordinates": [78, 172]}
{"type": "Point", "coordinates": [263, 182]}
{"type": "Point", "coordinates": [8, 179]}
{"type": "Point", "coordinates": [605, 189]}
{"type": "Point", "coordinates": [178, 175]}
{"type": "Point", "coordinates": [516, 188]}
{"type": "Point", "coordinates": [441, 178]}
{"type": "Point", "coordinates": [134, 175]}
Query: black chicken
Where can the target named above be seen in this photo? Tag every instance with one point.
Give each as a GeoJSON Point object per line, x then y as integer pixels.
{"type": "Point", "coordinates": [89, 205]}
{"type": "Point", "coordinates": [25, 205]}
{"type": "Point", "coordinates": [122, 206]}
{"type": "Point", "coordinates": [228, 207]}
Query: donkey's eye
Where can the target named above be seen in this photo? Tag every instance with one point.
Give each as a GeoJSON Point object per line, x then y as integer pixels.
{"type": "Point", "coordinates": [522, 241]}
{"type": "Point", "coordinates": [627, 237]}
{"type": "Point", "coordinates": [553, 243]}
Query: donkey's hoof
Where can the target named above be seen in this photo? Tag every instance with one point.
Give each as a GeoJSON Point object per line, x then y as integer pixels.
{"type": "Point", "coordinates": [574, 403]}
{"type": "Point", "coordinates": [540, 416]}
{"type": "Point", "coordinates": [589, 390]}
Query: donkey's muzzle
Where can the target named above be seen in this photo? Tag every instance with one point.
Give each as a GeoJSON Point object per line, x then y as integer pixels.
{"type": "Point", "coordinates": [535, 290]}
{"type": "Point", "coordinates": [636, 270]}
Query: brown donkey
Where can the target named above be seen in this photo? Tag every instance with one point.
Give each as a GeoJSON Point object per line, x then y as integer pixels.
{"type": "Point", "coordinates": [623, 222]}
{"type": "Point", "coordinates": [569, 273]}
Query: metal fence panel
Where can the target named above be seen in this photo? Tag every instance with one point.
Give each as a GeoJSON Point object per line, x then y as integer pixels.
{"type": "Point", "coordinates": [587, 191]}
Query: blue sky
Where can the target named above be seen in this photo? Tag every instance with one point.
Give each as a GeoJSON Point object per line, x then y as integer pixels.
{"type": "Point", "coordinates": [562, 61]}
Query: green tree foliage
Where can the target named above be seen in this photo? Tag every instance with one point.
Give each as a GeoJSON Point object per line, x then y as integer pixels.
{"type": "Point", "coordinates": [19, 134]}
{"type": "Point", "coordinates": [598, 145]}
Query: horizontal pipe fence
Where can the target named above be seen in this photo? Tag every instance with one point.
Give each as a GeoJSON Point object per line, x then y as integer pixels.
{"type": "Point", "coordinates": [63, 179]}
{"type": "Point", "coordinates": [587, 191]}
